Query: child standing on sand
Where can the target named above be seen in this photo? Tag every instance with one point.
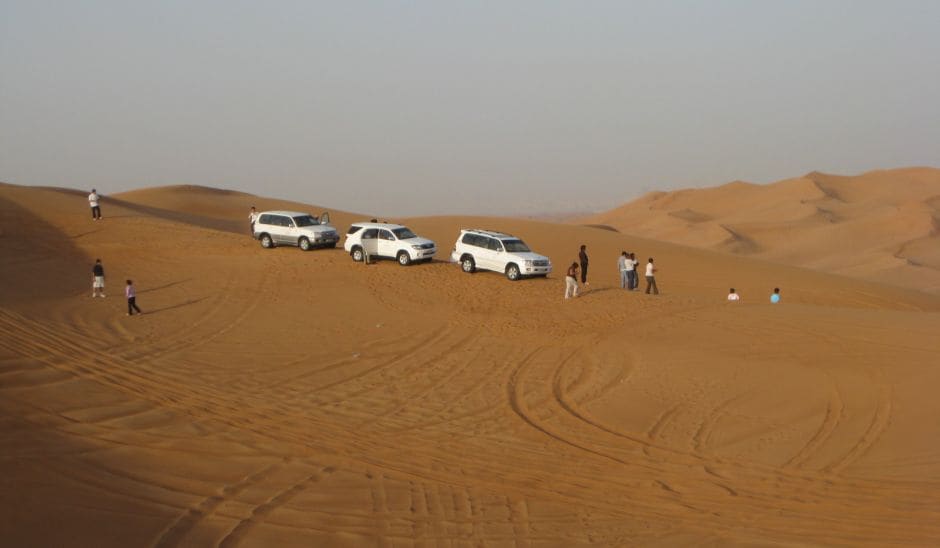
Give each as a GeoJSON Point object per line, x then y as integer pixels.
{"type": "Point", "coordinates": [131, 295]}
{"type": "Point", "coordinates": [733, 296]}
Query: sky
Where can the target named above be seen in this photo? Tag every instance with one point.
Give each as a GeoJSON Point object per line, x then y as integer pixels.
{"type": "Point", "coordinates": [439, 107]}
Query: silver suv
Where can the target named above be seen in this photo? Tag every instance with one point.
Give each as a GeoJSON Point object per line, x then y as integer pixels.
{"type": "Point", "coordinates": [485, 250]}
{"type": "Point", "coordinates": [387, 240]}
{"type": "Point", "coordinates": [303, 230]}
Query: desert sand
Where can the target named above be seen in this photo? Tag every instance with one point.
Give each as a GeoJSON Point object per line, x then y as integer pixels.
{"type": "Point", "coordinates": [282, 398]}
{"type": "Point", "coordinates": [881, 226]}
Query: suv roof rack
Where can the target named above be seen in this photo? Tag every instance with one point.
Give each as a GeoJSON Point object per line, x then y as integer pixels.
{"type": "Point", "coordinates": [492, 233]}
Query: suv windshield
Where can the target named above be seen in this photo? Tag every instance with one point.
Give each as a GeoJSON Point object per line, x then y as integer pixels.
{"type": "Point", "coordinates": [306, 220]}
{"type": "Point", "coordinates": [404, 234]}
{"type": "Point", "coordinates": [517, 246]}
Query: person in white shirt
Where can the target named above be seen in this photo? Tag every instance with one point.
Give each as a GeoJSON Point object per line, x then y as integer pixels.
{"type": "Point", "coordinates": [651, 278]}
{"type": "Point", "coordinates": [252, 219]}
{"type": "Point", "coordinates": [632, 275]}
{"type": "Point", "coordinates": [624, 270]}
{"type": "Point", "coordinates": [93, 202]}
{"type": "Point", "coordinates": [732, 296]}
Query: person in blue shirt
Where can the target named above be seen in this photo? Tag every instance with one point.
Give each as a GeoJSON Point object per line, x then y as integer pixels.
{"type": "Point", "coordinates": [775, 298]}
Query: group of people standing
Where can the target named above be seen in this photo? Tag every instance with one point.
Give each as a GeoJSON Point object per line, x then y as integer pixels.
{"type": "Point", "coordinates": [626, 264]}
{"type": "Point", "coordinates": [630, 279]}
{"type": "Point", "coordinates": [97, 271]}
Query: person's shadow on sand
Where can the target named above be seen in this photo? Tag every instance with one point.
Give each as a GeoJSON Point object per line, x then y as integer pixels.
{"type": "Point", "coordinates": [173, 306]}
{"type": "Point", "coordinates": [164, 286]}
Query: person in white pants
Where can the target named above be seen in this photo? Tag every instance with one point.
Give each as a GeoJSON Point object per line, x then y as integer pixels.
{"type": "Point", "coordinates": [571, 282]}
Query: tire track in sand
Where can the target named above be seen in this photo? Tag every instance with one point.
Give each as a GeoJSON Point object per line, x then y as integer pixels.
{"type": "Point", "coordinates": [261, 511]}
{"type": "Point", "coordinates": [176, 532]}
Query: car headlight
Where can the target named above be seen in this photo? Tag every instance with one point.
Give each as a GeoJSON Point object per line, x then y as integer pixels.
{"type": "Point", "coordinates": [529, 262]}
{"type": "Point", "coordinates": [416, 246]}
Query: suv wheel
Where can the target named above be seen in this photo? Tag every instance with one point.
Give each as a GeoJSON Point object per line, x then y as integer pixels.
{"type": "Point", "coordinates": [357, 254]}
{"type": "Point", "coordinates": [512, 272]}
{"type": "Point", "coordinates": [467, 264]}
{"type": "Point", "coordinates": [304, 243]}
{"type": "Point", "coordinates": [403, 258]}
{"type": "Point", "coordinates": [266, 241]}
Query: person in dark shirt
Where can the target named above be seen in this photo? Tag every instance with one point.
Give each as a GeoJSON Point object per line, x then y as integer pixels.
{"type": "Point", "coordinates": [583, 258]}
{"type": "Point", "coordinates": [97, 279]}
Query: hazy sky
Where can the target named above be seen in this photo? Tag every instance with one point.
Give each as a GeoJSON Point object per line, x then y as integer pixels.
{"type": "Point", "coordinates": [403, 108]}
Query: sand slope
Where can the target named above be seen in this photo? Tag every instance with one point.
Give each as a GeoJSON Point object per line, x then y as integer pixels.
{"type": "Point", "coordinates": [882, 226]}
{"type": "Point", "coordinates": [281, 398]}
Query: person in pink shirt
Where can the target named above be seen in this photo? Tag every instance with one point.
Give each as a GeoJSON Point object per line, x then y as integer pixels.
{"type": "Point", "coordinates": [131, 295]}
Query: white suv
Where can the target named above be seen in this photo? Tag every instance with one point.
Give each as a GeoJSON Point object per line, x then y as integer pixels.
{"type": "Point", "coordinates": [485, 250]}
{"type": "Point", "coordinates": [387, 240]}
{"type": "Point", "coordinates": [295, 228]}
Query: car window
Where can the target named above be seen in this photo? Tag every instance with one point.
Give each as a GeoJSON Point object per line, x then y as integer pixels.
{"type": "Point", "coordinates": [516, 246]}
{"type": "Point", "coordinates": [474, 240]}
{"type": "Point", "coordinates": [286, 222]}
{"type": "Point", "coordinates": [266, 219]}
{"type": "Point", "coordinates": [370, 234]}
{"type": "Point", "coordinates": [494, 245]}
{"type": "Point", "coordinates": [353, 229]}
{"type": "Point", "coordinates": [404, 233]}
{"type": "Point", "coordinates": [306, 220]}
{"type": "Point", "coordinates": [386, 235]}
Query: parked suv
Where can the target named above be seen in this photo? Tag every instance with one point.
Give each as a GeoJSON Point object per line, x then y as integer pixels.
{"type": "Point", "coordinates": [295, 228]}
{"type": "Point", "coordinates": [387, 240]}
{"type": "Point", "coordinates": [485, 250]}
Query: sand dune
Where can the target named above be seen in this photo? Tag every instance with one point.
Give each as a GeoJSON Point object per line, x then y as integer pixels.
{"type": "Point", "coordinates": [281, 398]}
{"type": "Point", "coordinates": [882, 226]}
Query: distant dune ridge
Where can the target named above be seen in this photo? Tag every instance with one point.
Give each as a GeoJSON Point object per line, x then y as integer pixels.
{"type": "Point", "coordinates": [272, 397]}
{"type": "Point", "coordinates": [883, 225]}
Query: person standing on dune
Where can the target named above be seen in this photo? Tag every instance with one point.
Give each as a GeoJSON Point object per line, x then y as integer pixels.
{"type": "Point", "coordinates": [624, 270]}
{"type": "Point", "coordinates": [733, 296]}
{"type": "Point", "coordinates": [571, 281]}
{"type": "Point", "coordinates": [252, 219]}
{"type": "Point", "coordinates": [93, 200]}
{"type": "Point", "coordinates": [631, 274]}
{"type": "Point", "coordinates": [97, 279]}
{"type": "Point", "coordinates": [651, 278]}
{"type": "Point", "coordinates": [131, 295]}
{"type": "Point", "coordinates": [583, 258]}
